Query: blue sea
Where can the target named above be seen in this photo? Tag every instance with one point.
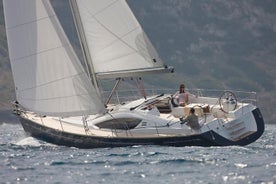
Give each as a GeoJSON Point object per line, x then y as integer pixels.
{"type": "Point", "coordinates": [24, 159]}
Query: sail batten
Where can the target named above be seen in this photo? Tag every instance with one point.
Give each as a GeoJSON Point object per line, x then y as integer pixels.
{"type": "Point", "coordinates": [49, 78]}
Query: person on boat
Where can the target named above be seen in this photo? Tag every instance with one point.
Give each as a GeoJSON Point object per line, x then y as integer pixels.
{"type": "Point", "coordinates": [191, 120]}
{"type": "Point", "coordinates": [181, 97]}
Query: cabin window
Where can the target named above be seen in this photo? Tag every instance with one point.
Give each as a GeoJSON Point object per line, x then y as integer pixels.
{"type": "Point", "coordinates": [144, 123]}
{"type": "Point", "coordinates": [120, 124]}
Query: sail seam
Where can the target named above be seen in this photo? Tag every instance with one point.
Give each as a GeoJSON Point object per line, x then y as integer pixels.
{"type": "Point", "coordinates": [118, 38]}
{"type": "Point", "coordinates": [31, 22]}
{"type": "Point", "coordinates": [111, 4]}
{"type": "Point", "coordinates": [115, 35]}
{"type": "Point", "coordinates": [41, 85]}
{"type": "Point", "coordinates": [123, 36]}
{"type": "Point", "coordinates": [38, 53]}
{"type": "Point", "coordinates": [119, 57]}
{"type": "Point", "coordinates": [59, 97]}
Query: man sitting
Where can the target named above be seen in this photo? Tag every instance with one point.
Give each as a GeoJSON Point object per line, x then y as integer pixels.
{"type": "Point", "coordinates": [191, 120]}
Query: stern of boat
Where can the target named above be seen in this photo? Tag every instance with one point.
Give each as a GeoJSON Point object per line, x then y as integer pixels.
{"type": "Point", "coordinates": [240, 129]}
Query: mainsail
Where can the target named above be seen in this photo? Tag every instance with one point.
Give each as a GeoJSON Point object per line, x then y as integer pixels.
{"type": "Point", "coordinates": [48, 76]}
{"type": "Point", "coordinates": [116, 42]}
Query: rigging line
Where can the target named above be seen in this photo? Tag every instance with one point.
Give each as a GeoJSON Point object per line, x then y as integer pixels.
{"type": "Point", "coordinates": [170, 124]}
{"type": "Point", "coordinates": [112, 92]}
{"type": "Point", "coordinates": [140, 86]}
{"type": "Point", "coordinates": [128, 130]}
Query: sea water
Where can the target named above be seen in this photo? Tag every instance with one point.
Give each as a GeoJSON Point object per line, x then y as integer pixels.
{"type": "Point", "coordinates": [24, 159]}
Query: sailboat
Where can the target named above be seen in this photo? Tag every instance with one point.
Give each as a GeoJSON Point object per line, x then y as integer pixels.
{"type": "Point", "coordinates": [59, 98]}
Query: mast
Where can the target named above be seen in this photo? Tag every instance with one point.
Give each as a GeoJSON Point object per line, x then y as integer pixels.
{"type": "Point", "coordinates": [84, 45]}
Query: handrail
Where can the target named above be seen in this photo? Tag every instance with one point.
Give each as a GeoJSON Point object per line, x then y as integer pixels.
{"type": "Point", "coordinates": [132, 94]}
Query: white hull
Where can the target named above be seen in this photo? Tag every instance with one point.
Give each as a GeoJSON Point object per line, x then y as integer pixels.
{"type": "Point", "coordinates": [133, 121]}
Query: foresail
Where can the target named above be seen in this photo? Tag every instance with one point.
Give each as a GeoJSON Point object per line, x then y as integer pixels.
{"type": "Point", "coordinates": [117, 43]}
{"type": "Point", "coordinates": [48, 76]}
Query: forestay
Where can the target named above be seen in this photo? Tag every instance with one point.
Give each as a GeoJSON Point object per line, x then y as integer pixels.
{"type": "Point", "coordinates": [48, 76]}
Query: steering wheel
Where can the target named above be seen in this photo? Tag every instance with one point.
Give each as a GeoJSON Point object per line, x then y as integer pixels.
{"type": "Point", "coordinates": [228, 101]}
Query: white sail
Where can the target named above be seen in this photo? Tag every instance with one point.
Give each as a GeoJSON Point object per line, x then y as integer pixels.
{"type": "Point", "coordinates": [117, 44]}
{"type": "Point", "coordinates": [48, 76]}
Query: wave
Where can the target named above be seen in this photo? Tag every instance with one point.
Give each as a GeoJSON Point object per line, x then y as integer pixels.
{"type": "Point", "coordinates": [32, 142]}
{"type": "Point", "coordinates": [28, 141]}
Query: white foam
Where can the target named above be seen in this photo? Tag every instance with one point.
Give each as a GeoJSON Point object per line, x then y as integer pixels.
{"type": "Point", "coordinates": [28, 141]}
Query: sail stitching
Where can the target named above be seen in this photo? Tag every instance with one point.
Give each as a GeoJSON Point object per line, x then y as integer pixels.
{"type": "Point", "coordinates": [44, 84]}
{"type": "Point", "coordinates": [134, 50]}
{"type": "Point", "coordinates": [111, 4]}
{"type": "Point", "coordinates": [44, 51]}
{"type": "Point", "coordinates": [59, 97]}
{"type": "Point", "coordinates": [119, 39]}
{"type": "Point", "coordinates": [31, 22]}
